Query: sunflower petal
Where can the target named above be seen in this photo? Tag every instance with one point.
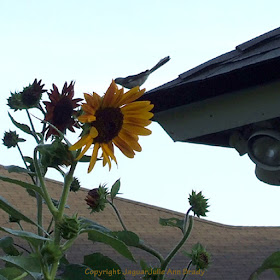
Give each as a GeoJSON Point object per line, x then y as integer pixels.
{"type": "Point", "coordinates": [83, 141]}
{"type": "Point", "coordinates": [130, 140]}
{"type": "Point", "coordinates": [137, 105]}
{"type": "Point", "coordinates": [106, 148]}
{"type": "Point", "coordinates": [93, 157]}
{"type": "Point", "coordinates": [86, 118]}
{"type": "Point", "coordinates": [131, 95]}
{"type": "Point", "coordinates": [124, 147]}
{"type": "Point", "coordinates": [129, 108]}
{"type": "Point", "coordinates": [93, 132]}
{"type": "Point", "coordinates": [118, 97]}
{"type": "Point", "coordinates": [136, 121]}
{"type": "Point", "coordinates": [84, 150]}
{"type": "Point", "coordinates": [106, 158]}
{"type": "Point", "coordinates": [139, 115]}
{"type": "Point", "coordinates": [88, 109]}
{"type": "Point", "coordinates": [139, 130]}
{"type": "Point", "coordinates": [92, 100]}
{"type": "Point", "coordinates": [109, 95]}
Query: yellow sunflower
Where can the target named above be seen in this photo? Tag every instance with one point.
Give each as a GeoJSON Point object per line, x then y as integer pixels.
{"type": "Point", "coordinates": [114, 119]}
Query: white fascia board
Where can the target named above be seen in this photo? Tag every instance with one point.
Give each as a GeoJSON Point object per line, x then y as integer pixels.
{"type": "Point", "coordinates": [221, 113]}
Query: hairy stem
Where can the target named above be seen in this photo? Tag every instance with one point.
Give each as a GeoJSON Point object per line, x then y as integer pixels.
{"type": "Point", "coordinates": [68, 178]}
{"type": "Point", "coordinates": [176, 249]}
{"type": "Point", "coordinates": [47, 197]}
{"type": "Point", "coordinates": [32, 127]}
{"type": "Point", "coordinates": [151, 251]}
{"type": "Point", "coordinates": [63, 199]}
{"type": "Point", "coordinates": [24, 161]}
{"type": "Point", "coordinates": [118, 214]}
{"type": "Point", "coordinates": [186, 220]}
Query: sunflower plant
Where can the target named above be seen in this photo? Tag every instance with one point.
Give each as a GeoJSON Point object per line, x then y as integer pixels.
{"type": "Point", "coordinates": [114, 120]}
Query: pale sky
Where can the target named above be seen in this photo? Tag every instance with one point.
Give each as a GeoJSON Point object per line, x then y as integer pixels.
{"type": "Point", "coordinates": [93, 42]}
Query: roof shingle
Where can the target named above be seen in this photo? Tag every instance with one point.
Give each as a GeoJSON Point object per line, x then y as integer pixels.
{"type": "Point", "coordinates": [236, 251]}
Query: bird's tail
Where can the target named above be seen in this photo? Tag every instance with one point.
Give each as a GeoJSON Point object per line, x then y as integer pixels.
{"type": "Point", "coordinates": [160, 63]}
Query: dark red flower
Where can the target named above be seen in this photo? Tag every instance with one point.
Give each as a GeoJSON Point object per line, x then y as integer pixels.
{"type": "Point", "coordinates": [60, 110]}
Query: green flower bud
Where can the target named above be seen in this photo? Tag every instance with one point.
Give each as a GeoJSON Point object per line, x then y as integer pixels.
{"type": "Point", "coordinates": [69, 227]}
{"type": "Point", "coordinates": [200, 257]}
{"type": "Point", "coordinates": [75, 185]}
{"type": "Point", "coordinates": [32, 94]}
{"type": "Point", "coordinates": [11, 139]}
{"type": "Point", "coordinates": [51, 253]}
{"type": "Point", "coordinates": [198, 204]}
{"type": "Point", "coordinates": [97, 198]}
{"type": "Point", "coordinates": [15, 101]}
{"type": "Point", "coordinates": [29, 98]}
{"type": "Point", "coordinates": [55, 154]}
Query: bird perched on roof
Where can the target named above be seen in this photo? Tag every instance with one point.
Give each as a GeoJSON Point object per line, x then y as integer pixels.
{"type": "Point", "coordinates": [139, 79]}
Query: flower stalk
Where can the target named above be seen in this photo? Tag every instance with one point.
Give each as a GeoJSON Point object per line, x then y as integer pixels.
{"type": "Point", "coordinates": [47, 197]}
{"type": "Point", "coordinates": [118, 214]}
{"type": "Point", "coordinates": [177, 248]}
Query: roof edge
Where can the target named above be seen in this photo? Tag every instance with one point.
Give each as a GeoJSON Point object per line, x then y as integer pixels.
{"type": "Point", "coordinates": [168, 211]}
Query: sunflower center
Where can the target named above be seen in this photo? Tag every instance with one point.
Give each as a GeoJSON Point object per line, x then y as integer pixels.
{"type": "Point", "coordinates": [108, 123]}
{"type": "Point", "coordinates": [62, 112]}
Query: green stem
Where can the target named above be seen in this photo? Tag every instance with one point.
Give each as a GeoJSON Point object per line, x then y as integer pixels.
{"type": "Point", "coordinates": [21, 276]}
{"type": "Point", "coordinates": [47, 197]}
{"type": "Point", "coordinates": [39, 213]}
{"type": "Point", "coordinates": [150, 250]}
{"type": "Point", "coordinates": [140, 245]}
{"type": "Point", "coordinates": [185, 276]}
{"type": "Point", "coordinates": [58, 217]}
{"type": "Point", "coordinates": [33, 128]}
{"type": "Point", "coordinates": [186, 220]}
{"type": "Point", "coordinates": [21, 154]}
{"type": "Point", "coordinates": [66, 189]}
{"type": "Point", "coordinates": [118, 214]}
{"type": "Point", "coordinates": [49, 227]}
{"type": "Point", "coordinates": [68, 244]}
{"type": "Point", "coordinates": [176, 249]}
{"type": "Point", "coordinates": [54, 270]}
{"type": "Point", "coordinates": [21, 247]}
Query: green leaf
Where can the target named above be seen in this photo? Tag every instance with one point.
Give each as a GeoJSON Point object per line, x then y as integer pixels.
{"type": "Point", "coordinates": [22, 184]}
{"type": "Point", "coordinates": [25, 128]}
{"type": "Point", "coordinates": [88, 225]}
{"type": "Point", "coordinates": [118, 245]}
{"type": "Point", "coordinates": [86, 158]}
{"type": "Point", "coordinates": [2, 277]}
{"type": "Point", "coordinates": [172, 222]}
{"type": "Point", "coordinates": [277, 272]}
{"type": "Point", "coordinates": [7, 207]}
{"type": "Point", "coordinates": [56, 203]}
{"type": "Point", "coordinates": [7, 245]}
{"type": "Point", "coordinates": [272, 262]}
{"type": "Point", "coordinates": [115, 189]}
{"type": "Point", "coordinates": [103, 267]}
{"type": "Point", "coordinates": [30, 264]}
{"type": "Point", "coordinates": [11, 273]}
{"type": "Point", "coordinates": [144, 265]}
{"type": "Point", "coordinates": [31, 237]}
{"type": "Point", "coordinates": [128, 237]}
{"type": "Point", "coordinates": [77, 271]}
{"type": "Point", "coordinates": [18, 169]}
